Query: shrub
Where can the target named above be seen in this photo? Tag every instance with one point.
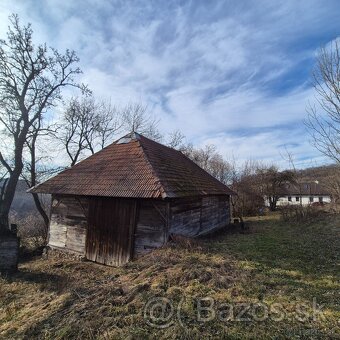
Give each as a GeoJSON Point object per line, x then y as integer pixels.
{"type": "Point", "coordinates": [31, 230]}
{"type": "Point", "coordinates": [297, 213]}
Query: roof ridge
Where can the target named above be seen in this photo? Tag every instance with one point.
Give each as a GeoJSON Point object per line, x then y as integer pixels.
{"type": "Point", "coordinates": [154, 171]}
{"type": "Point", "coordinates": [184, 157]}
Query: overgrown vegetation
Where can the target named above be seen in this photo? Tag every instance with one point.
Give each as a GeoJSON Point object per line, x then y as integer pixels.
{"type": "Point", "coordinates": [32, 231]}
{"type": "Point", "coordinates": [274, 262]}
{"type": "Point", "coordinates": [300, 213]}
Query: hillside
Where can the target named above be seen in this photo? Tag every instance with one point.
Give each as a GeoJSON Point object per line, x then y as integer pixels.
{"type": "Point", "coordinates": [320, 173]}
{"type": "Point", "coordinates": [23, 203]}
{"type": "Point", "coordinates": [276, 266]}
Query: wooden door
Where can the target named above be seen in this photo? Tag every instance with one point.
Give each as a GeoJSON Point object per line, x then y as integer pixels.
{"type": "Point", "coordinates": [111, 224]}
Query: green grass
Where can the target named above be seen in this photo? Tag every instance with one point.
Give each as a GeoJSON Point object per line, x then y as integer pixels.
{"type": "Point", "coordinates": [274, 262]}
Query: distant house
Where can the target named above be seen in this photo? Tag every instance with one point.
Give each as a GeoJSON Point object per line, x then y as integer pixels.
{"type": "Point", "coordinates": [303, 193]}
{"type": "Point", "coordinates": [128, 198]}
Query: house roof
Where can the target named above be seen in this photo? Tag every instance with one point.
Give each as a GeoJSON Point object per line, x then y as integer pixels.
{"type": "Point", "coordinates": [135, 166]}
{"type": "Point", "coordinates": [305, 188]}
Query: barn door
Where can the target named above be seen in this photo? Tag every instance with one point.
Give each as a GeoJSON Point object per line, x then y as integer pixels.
{"type": "Point", "coordinates": [111, 224]}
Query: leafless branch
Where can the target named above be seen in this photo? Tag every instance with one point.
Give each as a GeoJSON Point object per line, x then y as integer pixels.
{"type": "Point", "coordinates": [31, 82]}
{"type": "Point", "coordinates": [323, 120]}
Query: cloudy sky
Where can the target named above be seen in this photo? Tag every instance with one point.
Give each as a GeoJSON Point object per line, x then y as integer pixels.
{"type": "Point", "coordinates": [231, 73]}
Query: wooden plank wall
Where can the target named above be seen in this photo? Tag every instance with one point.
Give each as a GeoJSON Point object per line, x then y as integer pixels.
{"type": "Point", "coordinates": [68, 223]}
{"type": "Point", "coordinates": [197, 216]}
{"type": "Point", "coordinates": [111, 224]}
{"type": "Point", "coordinates": [155, 221]}
{"type": "Point", "coordinates": [185, 217]}
{"type": "Point", "coordinates": [151, 225]}
{"type": "Point", "coordinates": [215, 213]}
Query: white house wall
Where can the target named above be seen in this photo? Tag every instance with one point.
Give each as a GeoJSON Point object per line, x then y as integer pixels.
{"type": "Point", "coordinates": [304, 200]}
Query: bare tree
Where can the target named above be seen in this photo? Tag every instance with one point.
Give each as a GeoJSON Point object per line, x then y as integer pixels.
{"type": "Point", "coordinates": [207, 158]}
{"type": "Point", "coordinates": [272, 182]}
{"type": "Point", "coordinates": [79, 125]}
{"type": "Point", "coordinates": [31, 80]}
{"type": "Point", "coordinates": [245, 182]}
{"type": "Point", "coordinates": [33, 171]}
{"type": "Point", "coordinates": [110, 123]}
{"type": "Point", "coordinates": [3, 181]}
{"type": "Point", "coordinates": [296, 175]}
{"type": "Point", "coordinates": [188, 150]}
{"type": "Point", "coordinates": [220, 169]}
{"type": "Point", "coordinates": [331, 182]}
{"type": "Point", "coordinates": [88, 125]}
{"type": "Point", "coordinates": [136, 119]}
{"type": "Point", "coordinates": [329, 179]}
{"type": "Point", "coordinates": [324, 127]}
{"type": "Point", "coordinates": [31, 180]}
{"type": "Point", "coordinates": [203, 156]}
{"type": "Point", "coordinates": [176, 140]}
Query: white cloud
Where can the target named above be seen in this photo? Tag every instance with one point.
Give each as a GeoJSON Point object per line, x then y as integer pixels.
{"type": "Point", "coordinates": [209, 70]}
{"type": "Point", "coordinates": [270, 147]}
{"type": "Point", "coordinates": [242, 109]}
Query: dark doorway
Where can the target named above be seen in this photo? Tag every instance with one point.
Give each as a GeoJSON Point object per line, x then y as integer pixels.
{"type": "Point", "coordinates": [111, 224]}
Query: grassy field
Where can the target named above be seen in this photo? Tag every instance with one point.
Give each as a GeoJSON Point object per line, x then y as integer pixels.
{"type": "Point", "coordinates": [259, 284]}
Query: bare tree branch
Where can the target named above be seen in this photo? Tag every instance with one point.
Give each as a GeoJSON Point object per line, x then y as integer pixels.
{"type": "Point", "coordinates": [136, 119]}
{"type": "Point", "coordinates": [324, 126]}
{"type": "Point", "coordinates": [88, 125]}
{"type": "Point", "coordinates": [31, 80]}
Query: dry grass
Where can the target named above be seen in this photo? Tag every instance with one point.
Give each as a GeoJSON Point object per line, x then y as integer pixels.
{"type": "Point", "coordinates": [60, 298]}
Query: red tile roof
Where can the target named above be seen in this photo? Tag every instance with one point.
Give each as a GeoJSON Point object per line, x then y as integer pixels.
{"type": "Point", "coordinates": [135, 166]}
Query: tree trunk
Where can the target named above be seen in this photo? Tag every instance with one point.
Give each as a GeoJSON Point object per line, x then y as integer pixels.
{"type": "Point", "coordinates": [4, 225]}
{"type": "Point", "coordinates": [40, 209]}
{"type": "Point", "coordinates": [12, 182]}
{"type": "Point", "coordinates": [7, 200]}
{"type": "Point", "coordinates": [33, 179]}
{"type": "Point", "coordinates": [42, 213]}
{"type": "Point", "coordinates": [272, 203]}
{"type": "Point", "coordinates": [9, 242]}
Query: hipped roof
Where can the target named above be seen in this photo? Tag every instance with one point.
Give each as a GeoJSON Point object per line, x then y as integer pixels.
{"type": "Point", "coordinates": [137, 167]}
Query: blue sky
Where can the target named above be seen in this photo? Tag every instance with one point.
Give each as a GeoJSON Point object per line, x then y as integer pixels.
{"type": "Point", "coordinates": [232, 73]}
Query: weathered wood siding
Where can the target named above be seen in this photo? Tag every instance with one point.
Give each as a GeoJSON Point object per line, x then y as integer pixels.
{"type": "Point", "coordinates": [68, 225]}
{"type": "Point", "coordinates": [197, 216]}
{"type": "Point", "coordinates": [151, 228]}
{"type": "Point", "coordinates": [185, 216]}
{"type": "Point", "coordinates": [215, 213]}
{"type": "Point", "coordinates": [112, 231]}
{"type": "Point", "coordinates": [111, 223]}
{"type": "Point", "coordinates": [9, 252]}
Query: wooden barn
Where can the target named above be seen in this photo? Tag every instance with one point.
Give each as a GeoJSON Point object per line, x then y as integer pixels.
{"type": "Point", "coordinates": [128, 198]}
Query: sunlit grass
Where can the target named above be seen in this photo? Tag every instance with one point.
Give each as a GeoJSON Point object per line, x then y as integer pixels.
{"type": "Point", "coordinates": [275, 262]}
